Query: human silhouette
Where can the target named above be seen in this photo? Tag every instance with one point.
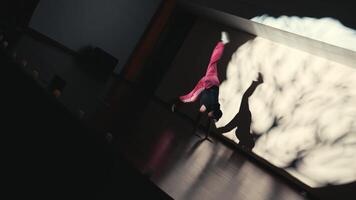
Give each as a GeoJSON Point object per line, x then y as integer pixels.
{"type": "Point", "coordinates": [242, 119]}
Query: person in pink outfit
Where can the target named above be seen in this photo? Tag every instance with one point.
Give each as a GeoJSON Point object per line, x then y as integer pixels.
{"type": "Point", "coordinates": [207, 88]}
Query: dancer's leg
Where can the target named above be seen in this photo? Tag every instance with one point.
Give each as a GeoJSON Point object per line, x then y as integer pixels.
{"type": "Point", "coordinates": [215, 57]}
{"type": "Point", "coordinates": [208, 130]}
{"type": "Point", "coordinates": [196, 123]}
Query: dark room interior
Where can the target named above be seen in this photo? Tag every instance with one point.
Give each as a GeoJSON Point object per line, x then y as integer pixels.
{"type": "Point", "coordinates": [90, 89]}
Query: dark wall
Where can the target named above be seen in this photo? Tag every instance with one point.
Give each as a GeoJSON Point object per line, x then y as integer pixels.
{"type": "Point", "coordinates": [82, 91]}
{"type": "Point", "coordinates": [16, 12]}
{"type": "Point", "coordinates": [114, 26]}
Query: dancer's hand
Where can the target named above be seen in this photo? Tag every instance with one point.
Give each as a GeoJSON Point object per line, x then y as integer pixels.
{"type": "Point", "coordinates": [225, 37]}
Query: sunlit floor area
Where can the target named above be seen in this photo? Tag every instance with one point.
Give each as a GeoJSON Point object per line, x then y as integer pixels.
{"type": "Point", "coordinates": [163, 146]}
{"type": "Point", "coordinates": [212, 171]}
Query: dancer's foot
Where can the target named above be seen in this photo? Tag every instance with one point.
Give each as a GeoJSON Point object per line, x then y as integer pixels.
{"type": "Point", "coordinates": [225, 37]}
{"type": "Point", "coordinates": [259, 78]}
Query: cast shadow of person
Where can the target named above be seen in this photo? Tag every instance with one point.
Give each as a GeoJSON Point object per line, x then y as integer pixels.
{"type": "Point", "coordinates": [242, 119]}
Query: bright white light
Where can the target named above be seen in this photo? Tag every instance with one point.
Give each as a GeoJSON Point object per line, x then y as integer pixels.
{"type": "Point", "coordinates": [314, 102]}
{"type": "Point", "coordinates": [326, 29]}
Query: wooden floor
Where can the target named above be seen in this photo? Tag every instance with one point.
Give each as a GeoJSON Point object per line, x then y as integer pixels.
{"type": "Point", "coordinates": [162, 145]}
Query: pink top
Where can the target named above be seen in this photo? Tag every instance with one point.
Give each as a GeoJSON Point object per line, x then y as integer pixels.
{"type": "Point", "coordinates": [211, 76]}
